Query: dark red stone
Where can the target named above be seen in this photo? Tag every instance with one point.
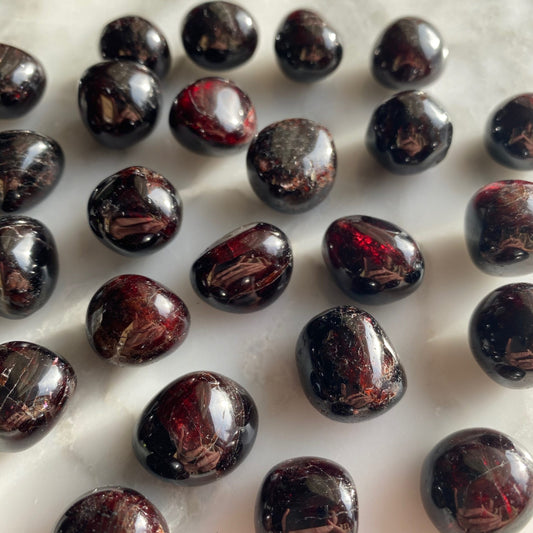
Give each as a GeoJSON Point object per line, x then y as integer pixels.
{"type": "Point", "coordinates": [409, 54]}
{"type": "Point", "coordinates": [197, 429]}
{"type": "Point", "coordinates": [136, 39]}
{"type": "Point", "coordinates": [35, 385]}
{"type": "Point", "coordinates": [499, 228]}
{"type": "Point", "coordinates": [245, 270]}
{"type": "Point", "coordinates": [22, 82]}
{"type": "Point", "coordinates": [409, 133]}
{"type": "Point", "coordinates": [307, 495]}
{"type": "Point", "coordinates": [28, 266]}
{"type": "Point", "coordinates": [135, 211]}
{"type": "Point", "coordinates": [213, 116]}
{"type": "Point", "coordinates": [112, 510]}
{"type": "Point", "coordinates": [347, 365]}
{"type": "Point", "coordinates": [292, 164]}
{"type": "Point", "coordinates": [132, 319]}
{"type": "Point", "coordinates": [478, 481]}
{"type": "Point", "coordinates": [372, 261]}
{"type": "Point", "coordinates": [119, 102]}
{"type": "Point", "coordinates": [30, 166]}
{"type": "Point", "coordinates": [219, 35]}
{"type": "Point", "coordinates": [307, 47]}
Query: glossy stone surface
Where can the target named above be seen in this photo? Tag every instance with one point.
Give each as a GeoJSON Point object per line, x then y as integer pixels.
{"type": "Point", "coordinates": [499, 228]}
{"type": "Point", "coordinates": [372, 260]}
{"type": "Point", "coordinates": [219, 35]}
{"type": "Point", "coordinates": [348, 368]}
{"type": "Point", "coordinates": [197, 429]}
{"type": "Point", "coordinates": [35, 385]}
{"type": "Point", "coordinates": [135, 211]}
{"type": "Point", "coordinates": [409, 133]}
{"type": "Point", "coordinates": [292, 164]}
{"type": "Point", "coordinates": [28, 265]}
{"type": "Point", "coordinates": [22, 82]}
{"type": "Point", "coordinates": [119, 102]}
{"type": "Point", "coordinates": [133, 319]}
{"type": "Point", "coordinates": [478, 481]}
{"type": "Point", "coordinates": [136, 39]}
{"type": "Point", "coordinates": [245, 270]}
{"type": "Point", "coordinates": [112, 510]}
{"type": "Point", "coordinates": [409, 54]}
{"type": "Point", "coordinates": [30, 166]}
{"type": "Point", "coordinates": [307, 47]}
{"type": "Point", "coordinates": [212, 116]}
{"type": "Point", "coordinates": [307, 495]}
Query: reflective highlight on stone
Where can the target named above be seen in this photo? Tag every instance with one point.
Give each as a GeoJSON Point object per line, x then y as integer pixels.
{"type": "Point", "coordinates": [307, 495]}
{"type": "Point", "coordinates": [292, 164]}
{"type": "Point", "coordinates": [197, 429]}
{"type": "Point", "coordinates": [478, 481]}
{"type": "Point", "coordinates": [246, 270]}
{"type": "Point", "coordinates": [133, 319]}
{"type": "Point", "coordinates": [35, 385]}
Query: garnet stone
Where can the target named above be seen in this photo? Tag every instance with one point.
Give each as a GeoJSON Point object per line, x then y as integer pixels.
{"type": "Point", "coordinates": [307, 495]}
{"type": "Point", "coordinates": [292, 164]}
{"type": "Point", "coordinates": [409, 54]}
{"type": "Point", "coordinates": [372, 260]}
{"type": "Point", "coordinates": [35, 385]}
{"type": "Point", "coordinates": [499, 228]}
{"type": "Point", "coordinates": [245, 270]}
{"type": "Point", "coordinates": [347, 365]}
{"type": "Point", "coordinates": [132, 320]}
{"type": "Point", "coordinates": [219, 35]}
{"type": "Point", "coordinates": [213, 117]}
{"type": "Point", "coordinates": [307, 47]}
{"type": "Point", "coordinates": [22, 82]}
{"type": "Point", "coordinates": [112, 510]}
{"type": "Point", "coordinates": [28, 265]}
{"type": "Point", "coordinates": [409, 133]}
{"type": "Point", "coordinates": [197, 429]}
{"type": "Point", "coordinates": [135, 211]}
{"type": "Point", "coordinates": [478, 481]}
{"type": "Point", "coordinates": [119, 102]}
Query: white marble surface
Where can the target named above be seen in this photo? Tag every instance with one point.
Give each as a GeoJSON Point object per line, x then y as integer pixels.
{"type": "Point", "coordinates": [490, 60]}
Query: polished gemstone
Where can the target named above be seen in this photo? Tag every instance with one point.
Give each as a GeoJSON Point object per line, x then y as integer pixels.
{"type": "Point", "coordinates": [22, 82]}
{"type": "Point", "coordinates": [409, 133]}
{"type": "Point", "coordinates": [219, 35]}
{"type": "Point", "coordinates": [119, 102]}
{"type": "Point", "coordinates": [135, 211]}
{"type": "Point", "coordinates": [30, 166]}
{"type": "Point", "coordinates": [245, 270]}
{"type": "Point", "coordinates": [28, 265]}
{"type": "Point", "coordinates": [35, 385]}
{"type": "Point", "coordinates": [307, 495]}
{"type": "Point", "coordinates": [197, 429]}
{"type": "Point", "coordinates": [136, 39]}
{"type": "Point", "coordinates": [213, 116]}
{"type": "Point", "coordinates": [133, 319]}
{"type": "Point", "coordinates": [292, 164]}
{"type": "Point", "coordinates": [499, 228]}
{"type": "Point", "coordinates": [112, 510]}
{"type": "Point", "coordinates": [307, 47]}
{"type": "Point", "coordinates": [409, 54]}
{"type": "Point", "coordinates": [372, 261]}
{"type": "Point", "coordinates": [478, 481]}
{"type": "Point", "coordinates": [348, 368]}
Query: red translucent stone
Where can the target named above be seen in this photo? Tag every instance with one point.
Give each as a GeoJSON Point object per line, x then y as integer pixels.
{"type": "Point", "coordinates": [213, 116]}
{"type": "Point", "coordinates": [197, 429]}
{"type": "Point", "coordinates": [35, 385]}
{"type": "Point", "coordinates": [245, 270]}
{"type": "Point", "coordinates": [478, 481]}
{"type": "Point", "coordinates": [132, 320]}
